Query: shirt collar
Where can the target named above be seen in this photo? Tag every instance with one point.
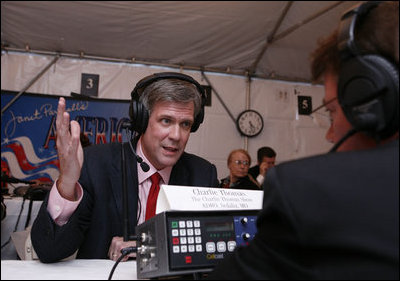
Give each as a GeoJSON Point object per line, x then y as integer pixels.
{"type": "Point", "coordinates": [142, 176]}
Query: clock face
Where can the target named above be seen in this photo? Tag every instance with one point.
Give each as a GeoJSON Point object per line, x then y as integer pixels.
{"type": "Point", "coordinates": [250, 123]}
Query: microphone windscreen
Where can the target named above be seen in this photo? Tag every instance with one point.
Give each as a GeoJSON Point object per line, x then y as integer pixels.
{"type": "Point", "coordinates": [145, 167]}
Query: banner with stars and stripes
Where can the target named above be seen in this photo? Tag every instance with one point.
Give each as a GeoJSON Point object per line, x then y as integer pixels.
{"type": "Point", "coordinates": [28, 130]}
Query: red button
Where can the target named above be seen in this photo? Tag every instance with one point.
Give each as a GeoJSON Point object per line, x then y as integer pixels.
{"type": "Point", "coordinates": [188, 259]}
{"type": "Point", "coordinates": [175, 241]}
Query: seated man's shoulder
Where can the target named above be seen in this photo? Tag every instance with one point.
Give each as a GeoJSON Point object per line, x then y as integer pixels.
{"type": "Point", "coordinates": [192, 159]}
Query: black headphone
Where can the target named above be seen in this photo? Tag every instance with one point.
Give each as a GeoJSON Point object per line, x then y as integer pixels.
{"type": "Point", "coordinates": [139, 114]}
{"type": "Point", "coordinates": [368, 87]}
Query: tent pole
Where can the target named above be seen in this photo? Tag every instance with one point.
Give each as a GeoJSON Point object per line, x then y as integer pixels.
{"type": "Point", "coordinates": [30, 84]}
{"type": "Point", "coordinates": [276, 77]}
{"type": "Point", "coordinates": [305, 21]}
{"type": "Point", "coordinates": [270, 37]}
{"type": "Point", "coordinates": [219, 97]}
{"type": "Point", "coordinates": [248, 104]}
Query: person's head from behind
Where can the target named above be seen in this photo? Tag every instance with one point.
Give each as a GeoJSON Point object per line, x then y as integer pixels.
{"type": "Point", "coordinates": [351, 97]}
{"type": "Point", "coordinates": [266, 155]}
{"type": "Point", "coordinates": [238, 163]}
{"type": "Point", "coordinates": [172, 106]}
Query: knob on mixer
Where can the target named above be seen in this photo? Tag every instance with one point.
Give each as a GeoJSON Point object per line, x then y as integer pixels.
{"type": "Point", "coordinates": [246, 236]}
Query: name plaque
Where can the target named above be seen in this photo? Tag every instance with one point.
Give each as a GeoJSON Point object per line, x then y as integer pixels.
{"type": "Point", "coordinates": [192, 198]}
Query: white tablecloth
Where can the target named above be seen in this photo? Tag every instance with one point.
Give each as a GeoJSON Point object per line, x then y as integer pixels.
{"type": "Point", "coordinates": [78, 269]}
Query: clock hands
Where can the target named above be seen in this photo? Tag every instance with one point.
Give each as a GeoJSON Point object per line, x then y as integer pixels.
{"type": "Point", "coordinates": [249, 123]}
{"type": "Point", "coordinates": [252, 127]}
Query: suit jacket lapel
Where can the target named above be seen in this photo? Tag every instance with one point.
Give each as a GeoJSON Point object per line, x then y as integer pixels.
{"type": "Point", "coordinates": [180, 173]}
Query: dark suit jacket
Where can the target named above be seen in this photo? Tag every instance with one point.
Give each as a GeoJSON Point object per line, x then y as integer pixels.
{"type": "Point", "coordinates": [98, 217]}
{"type": "Point", "coordinates": [334, 216]}
{"type": "Point", "coordinates": [254, 171]}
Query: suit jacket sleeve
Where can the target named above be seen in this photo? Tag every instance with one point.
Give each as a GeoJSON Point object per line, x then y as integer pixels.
{"type": "Point", "coordinates": [98, 216]}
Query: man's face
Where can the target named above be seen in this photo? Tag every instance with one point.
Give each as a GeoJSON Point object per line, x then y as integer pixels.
{"type": "Point", "coordinates": [167, 133]}
{"type": "Point", "coordinates": [269, 161]}
{"type": "Point", "coordinates": [339, 123]}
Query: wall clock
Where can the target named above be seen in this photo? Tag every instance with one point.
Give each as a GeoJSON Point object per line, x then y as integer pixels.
{"type": "Point", "coordinates": [249, 123]}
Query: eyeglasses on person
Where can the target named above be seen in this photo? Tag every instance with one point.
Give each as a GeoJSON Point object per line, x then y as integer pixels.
{"type": "Point", "coordinates": [239, 162]}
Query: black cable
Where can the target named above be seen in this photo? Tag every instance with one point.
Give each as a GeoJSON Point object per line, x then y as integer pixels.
{"type": "Point", "coordinates": [131, 135]}
{"type": "Point", "coordinates": [125, 251]}
{"type": "Point", "coordinates": [197, 276]}
{"type": "Point", "coordinates": [140, 210]}
{"type": "Point", "coordinates": [346, 136]}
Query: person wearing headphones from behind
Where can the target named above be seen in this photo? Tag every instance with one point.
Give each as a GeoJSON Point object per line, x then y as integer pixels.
{"type": "Point", "coordinates": [83, 211]}
{"type": "Point", "coordinates": [336, 216]}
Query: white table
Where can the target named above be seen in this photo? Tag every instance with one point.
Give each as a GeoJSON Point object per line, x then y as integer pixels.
{"type": "Point", "coordinates": [78, 269]}
{"type": "Point", "coordinates": [13, 208]}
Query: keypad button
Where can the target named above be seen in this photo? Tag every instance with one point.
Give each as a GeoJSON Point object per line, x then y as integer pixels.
{"type": "Point", "coordinates": [189, 224]}
{"type": "Point", "coordinates": [197, 239]}
{"type": "Point", "coordinates": [197, 231]}
{"type": "Point", "coordinates": [210, 247]}
{"type": "Point", "coordinates": [190, 232]}
{"type": "Point", "coordinates": [221, 246]}
{"type": "Point", "coordinates": [231, 246]}
{"type": "Point", "coordinates": [190, 240]}
{"type": "Point", "coordinates": [199, 248]}
{"type": "Point", "coordinates": [175, 249]}
{"type": "Point", "coordinates": [182, 224]}
{"type": "Point", "coordinates": [183, 249]}
{"type": "Point", "coordinates": [175, 232]}
{"type": "Point", "coordinates": [196, 223]}
{"type": "Point", "coordinates": [183, 240]}
{"type": "Point", "coordinates": [182, 232]}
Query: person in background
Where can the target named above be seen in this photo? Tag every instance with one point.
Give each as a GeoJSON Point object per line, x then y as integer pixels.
{"type": "Point", "coordinates": [265, 159]}
{"type": "Point", "coordinates": [336, 216]}
{"type": "Point", "coordinates": [83, 212]}
{"type": "Point", "coordinates": [238, 163]}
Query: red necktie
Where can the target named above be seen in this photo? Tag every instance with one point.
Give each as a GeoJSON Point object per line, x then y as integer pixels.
{"type": "Point", "coordinates": [153, 194]}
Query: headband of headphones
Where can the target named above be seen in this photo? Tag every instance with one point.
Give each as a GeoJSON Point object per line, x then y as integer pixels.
{"type": "Point", "coordinates": [368, 86]}
{"type": "Point", "coordinates": [146, 81]}
{"type": "Point", "coordinates": [347, 27]}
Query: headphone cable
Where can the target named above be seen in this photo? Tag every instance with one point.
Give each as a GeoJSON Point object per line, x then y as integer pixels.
{"type": "Point", "coordinates": [345, 137]}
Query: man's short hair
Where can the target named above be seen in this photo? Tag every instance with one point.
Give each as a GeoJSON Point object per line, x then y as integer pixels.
{"type": "Point", "coordinates": [374, 35]}
{"type": "Point", "coordinates": [265, 151]}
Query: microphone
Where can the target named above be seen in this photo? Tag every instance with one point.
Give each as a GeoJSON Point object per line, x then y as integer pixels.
{"type": "Point", "coordinates": [145, 167]}
{"type": "Point", "coordinates": [125, 210]}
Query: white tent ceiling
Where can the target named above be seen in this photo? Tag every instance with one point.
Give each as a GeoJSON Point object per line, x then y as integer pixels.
{"type": "Point", "coordinates": [271, 39]}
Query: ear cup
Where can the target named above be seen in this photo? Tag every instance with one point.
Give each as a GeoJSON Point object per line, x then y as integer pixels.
{"type": "Point", "coordinates": [368, 93]}
{"type": "Point", "coordinates": [139, 116]}
{"type": "Point", "coordinates": [198, 120]}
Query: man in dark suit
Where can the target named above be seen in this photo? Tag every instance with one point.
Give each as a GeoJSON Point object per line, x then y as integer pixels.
{"type": "Point", "coordinates": [266, 157]}
{"type": "Point", "coordinates": [336, 216]}
{"type": "Point", "coordinates": [84, 211]}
